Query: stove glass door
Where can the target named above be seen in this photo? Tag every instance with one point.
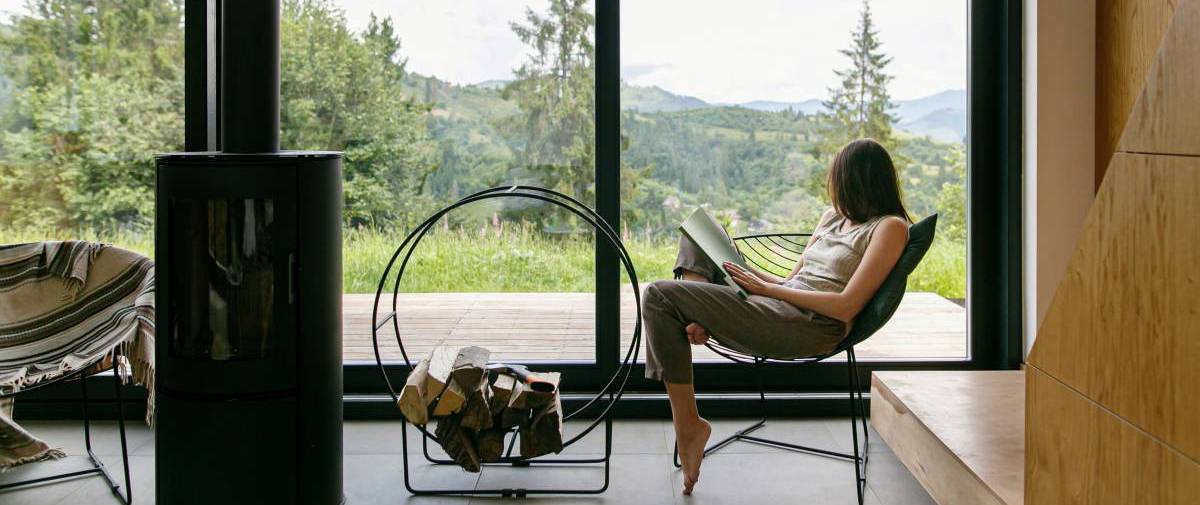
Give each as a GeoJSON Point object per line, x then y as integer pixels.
{"type": "Point", "coordinates": [224, 282]}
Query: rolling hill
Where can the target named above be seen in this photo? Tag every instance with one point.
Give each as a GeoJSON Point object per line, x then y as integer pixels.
{"type": "Point", "coordinates": [941, 116]}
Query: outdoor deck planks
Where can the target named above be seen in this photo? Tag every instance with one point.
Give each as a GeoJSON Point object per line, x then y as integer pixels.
{"type": "Point", "coordinates": [546, 326]}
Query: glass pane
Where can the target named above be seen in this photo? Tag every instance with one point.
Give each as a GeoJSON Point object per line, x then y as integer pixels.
{"type": "Point", "coordinates": [223, 281]}
{"type": "Point", "coordinates": [740, 110]}
{"type": "Point", "coordinates": [444, 99]}
{"type": "Point", "coordinates": [88, 92]}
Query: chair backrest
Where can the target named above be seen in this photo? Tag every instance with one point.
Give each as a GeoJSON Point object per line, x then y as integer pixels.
{"type": "Point", "coordinates": [776, 253]}
{"type": "Point", "coordinates": [883, 304]}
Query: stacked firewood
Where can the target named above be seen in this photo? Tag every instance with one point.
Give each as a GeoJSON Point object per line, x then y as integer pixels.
{"type": "Point", "coordinates": [474, 412]}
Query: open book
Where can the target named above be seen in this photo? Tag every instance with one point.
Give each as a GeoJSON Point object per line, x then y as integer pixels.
{"type": "Point", "coordinates": [710, 237]}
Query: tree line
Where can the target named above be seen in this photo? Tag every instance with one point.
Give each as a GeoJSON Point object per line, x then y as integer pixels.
{"type": "Point", "coordinates": [91, 90]}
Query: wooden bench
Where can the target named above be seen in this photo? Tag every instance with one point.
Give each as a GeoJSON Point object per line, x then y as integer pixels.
{"type": "Point", "coordinates": [961, 434]}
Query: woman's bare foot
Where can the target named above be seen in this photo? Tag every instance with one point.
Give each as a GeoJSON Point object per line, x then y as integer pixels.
{"type": "Point", "coordinates": [691, 440]}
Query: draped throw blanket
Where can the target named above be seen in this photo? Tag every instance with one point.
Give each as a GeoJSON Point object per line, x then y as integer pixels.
{"type": "Point", "coordinates": [65, 307]}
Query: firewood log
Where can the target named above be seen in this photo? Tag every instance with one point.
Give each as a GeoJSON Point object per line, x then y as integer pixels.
{"type": "Point", "coordinates": [543, 434]}
{"type": "Point", "coordinates": [442, 363]}
{"type": "Point", "coordinates": [524, 397]}
{"type": "Point", "coordinates": [511, 418]}
{"type": "Point", "coordinates": [477, 413]}
{"type": "Point", "coordinates": [458, 442]}
{"type": "Point", "coordinates": [502, 391]}
{"type": "Point", "coordinates": [491, 444]}
{"type": "Point", "coordinates": [414, 398]}
{"type": "Point", "coordinates": [470, 367]}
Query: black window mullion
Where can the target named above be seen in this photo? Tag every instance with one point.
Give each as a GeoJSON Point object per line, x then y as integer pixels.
{"type": "Point", "coordinates": [200, 79]}
{"type": "Point", "coordinates": [608, 182]}
{"type": "Point", "coordinates": [994, 184]}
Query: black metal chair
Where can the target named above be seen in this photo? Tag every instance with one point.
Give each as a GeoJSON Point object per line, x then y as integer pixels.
{"type": "Point", "coordinates": [778, 253]}
{"type": "Point", "coordinates": [97, 466]}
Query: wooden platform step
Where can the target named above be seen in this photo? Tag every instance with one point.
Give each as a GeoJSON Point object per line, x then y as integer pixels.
{"type": "Point", "coordinates": [961, 434]}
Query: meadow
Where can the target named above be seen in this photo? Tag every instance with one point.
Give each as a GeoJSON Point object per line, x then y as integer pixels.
{"type": "Point", "coordinates": [509, 259]}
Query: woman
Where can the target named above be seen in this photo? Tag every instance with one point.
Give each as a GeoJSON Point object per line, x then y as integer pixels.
{"type": "Point", "coordinates": [852, 250]}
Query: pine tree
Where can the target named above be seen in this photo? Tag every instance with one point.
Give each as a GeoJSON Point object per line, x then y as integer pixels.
{"type": "Point", "coordinates": [555, 90]}
{"type": "Point", "coordinates": [861, 107]}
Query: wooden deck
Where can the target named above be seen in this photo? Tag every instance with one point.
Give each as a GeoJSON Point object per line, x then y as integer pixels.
{"type": "Point", "coordinates": [546, 326]}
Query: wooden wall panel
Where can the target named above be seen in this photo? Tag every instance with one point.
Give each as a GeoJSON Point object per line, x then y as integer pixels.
{"type": "Point", "coordinates": [1166, 118]}
{"type": "Point", "coordinates": [1077, 453]}
{"type": "Point", "coordinates": [1124, 328]}
{"type": "Point", "coordinates": [1113, 385]}
{"type": "Point", "coordinates": [1128, 34]}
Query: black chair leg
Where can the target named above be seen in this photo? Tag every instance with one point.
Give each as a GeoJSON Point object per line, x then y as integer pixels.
{"type": "Point", "coordinates": [97, 466]}
{"type": "Point", "coordinates": [128, 498]}
{"type": "Point", "coordinates": [858, 416]}
{"type": "Point", "coordinates": [857, 408]}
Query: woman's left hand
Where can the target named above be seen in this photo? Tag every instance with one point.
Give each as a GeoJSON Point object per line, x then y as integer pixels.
{"type": "Point", "coordinates": [747, 280]}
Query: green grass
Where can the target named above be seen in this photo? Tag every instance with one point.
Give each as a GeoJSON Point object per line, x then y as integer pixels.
{"type": "Point", "coordinates": [517, 259]}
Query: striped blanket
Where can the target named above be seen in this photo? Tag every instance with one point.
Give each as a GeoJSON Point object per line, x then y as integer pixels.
{"type": "Point", "coordinates": [65, 307]}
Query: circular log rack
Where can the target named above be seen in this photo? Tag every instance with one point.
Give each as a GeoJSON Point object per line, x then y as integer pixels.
{"type": "Point", "coordinates": [604, 399]}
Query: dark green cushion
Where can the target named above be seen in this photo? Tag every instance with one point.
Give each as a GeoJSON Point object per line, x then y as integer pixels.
{"type": "Point", "coordinates": [880, 308]}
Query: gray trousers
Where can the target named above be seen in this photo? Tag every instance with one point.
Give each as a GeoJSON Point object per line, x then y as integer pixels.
{"type": "Point", "coordinates": [758, 325]}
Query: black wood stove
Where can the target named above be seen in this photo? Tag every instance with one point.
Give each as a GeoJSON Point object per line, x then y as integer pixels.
{"type": "Point", "coordinates": [248, 249]}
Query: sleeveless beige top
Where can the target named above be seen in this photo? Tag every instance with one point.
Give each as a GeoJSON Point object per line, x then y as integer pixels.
{"type": "Point", "coordinates": [833, 253]}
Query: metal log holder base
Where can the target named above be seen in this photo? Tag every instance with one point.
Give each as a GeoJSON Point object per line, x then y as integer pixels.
{"type": "Point", "coordinates": [97, 466]}
{"type": "Point", "coordinates": [606, 397]}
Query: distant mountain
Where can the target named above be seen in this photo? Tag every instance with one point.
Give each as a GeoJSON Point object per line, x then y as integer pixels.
{"type": "Point", "coordinates": [810, 106]}
{"type": "Point", "coordinates": [946, 125]}
{"type": "Point", "coordinates": [494, 84]}
{"type": "Point", "coordinates": [912, 110]}
{"type": "Point", "coordinates": [655, 99]}
{"type": "Point", "coordinates": [941, 116]}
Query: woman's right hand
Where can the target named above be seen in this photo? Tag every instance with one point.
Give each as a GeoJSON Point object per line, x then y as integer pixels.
{"type": "Point", "coordinates": [696, 334]}
{"type": "Point", "coordinates": [766, 277]}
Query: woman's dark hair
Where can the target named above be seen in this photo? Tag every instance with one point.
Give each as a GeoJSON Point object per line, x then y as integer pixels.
{"type": "Point", "coordinates": [862, 182]}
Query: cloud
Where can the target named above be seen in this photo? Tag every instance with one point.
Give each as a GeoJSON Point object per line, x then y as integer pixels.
{"type": "Point", "coordinates": [632, 72]}
{"type": "Point", "coordinates": [717, 50]}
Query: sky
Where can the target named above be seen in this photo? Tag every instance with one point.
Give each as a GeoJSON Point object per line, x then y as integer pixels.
{"type": "Point", "coordinates": [727, 51]}
{"type": "Point", "coordinates": [730, 51]}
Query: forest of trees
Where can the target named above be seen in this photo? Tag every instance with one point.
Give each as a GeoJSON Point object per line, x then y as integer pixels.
{"type": "Point", "coordinates": [89, 91]}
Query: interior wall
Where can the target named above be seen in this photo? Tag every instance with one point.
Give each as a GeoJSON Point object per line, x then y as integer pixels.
{"type": "Point", "coordinates": [1112, 415]}
{"type": "Point", "coordinates": [1029, 111]}
{"type": "Point", "coordinates": [1059, 143]}
{"type": "Point", "coordinates": [1076, 51]}
{"type": "Point", "coordinates": [1128, 33]}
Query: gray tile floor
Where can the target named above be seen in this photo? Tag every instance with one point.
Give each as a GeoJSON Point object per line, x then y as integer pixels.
{"type": "Point", "coordinates": [642, 473]}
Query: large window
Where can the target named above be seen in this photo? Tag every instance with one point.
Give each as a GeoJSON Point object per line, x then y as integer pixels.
{"type": "Point", "coordinates": [89, 91]}
{"type": "Point", "coordinates": [740, 110]}
{"type": "Point", "coordinates": [474, 95]}
{"type": "Point", "coordinates": [644, 109]}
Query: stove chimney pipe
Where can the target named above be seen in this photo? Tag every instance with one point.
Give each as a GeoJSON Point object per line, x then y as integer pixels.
{"type": "Point", "coordinates": [249, 94]}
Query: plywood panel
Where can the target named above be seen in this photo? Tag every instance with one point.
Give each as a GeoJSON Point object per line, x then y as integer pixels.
{"type": "Point", "coordinates": [1123, 328]}
{"type": "Point", "coordinates": [1128, 34]}
{"type": "Point", "coordinates": [1080, 454]}
{"type": "Point", "coordinates": [960, 433]}
{"type": "Point", "coordinates": [1166, 117]}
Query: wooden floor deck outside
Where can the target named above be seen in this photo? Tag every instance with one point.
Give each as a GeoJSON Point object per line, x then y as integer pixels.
{"type": "Point", "coordinates": [545, 326]}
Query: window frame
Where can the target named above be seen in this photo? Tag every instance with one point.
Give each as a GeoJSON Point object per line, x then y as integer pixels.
{"type": "Point", "coordinates": [994, 242]}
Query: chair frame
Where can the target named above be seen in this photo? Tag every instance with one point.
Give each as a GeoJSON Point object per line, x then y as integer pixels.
{"type": "Point", "coordinates": [786, 248]}
{"type": "Point", "coordinates": [97, 466]}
